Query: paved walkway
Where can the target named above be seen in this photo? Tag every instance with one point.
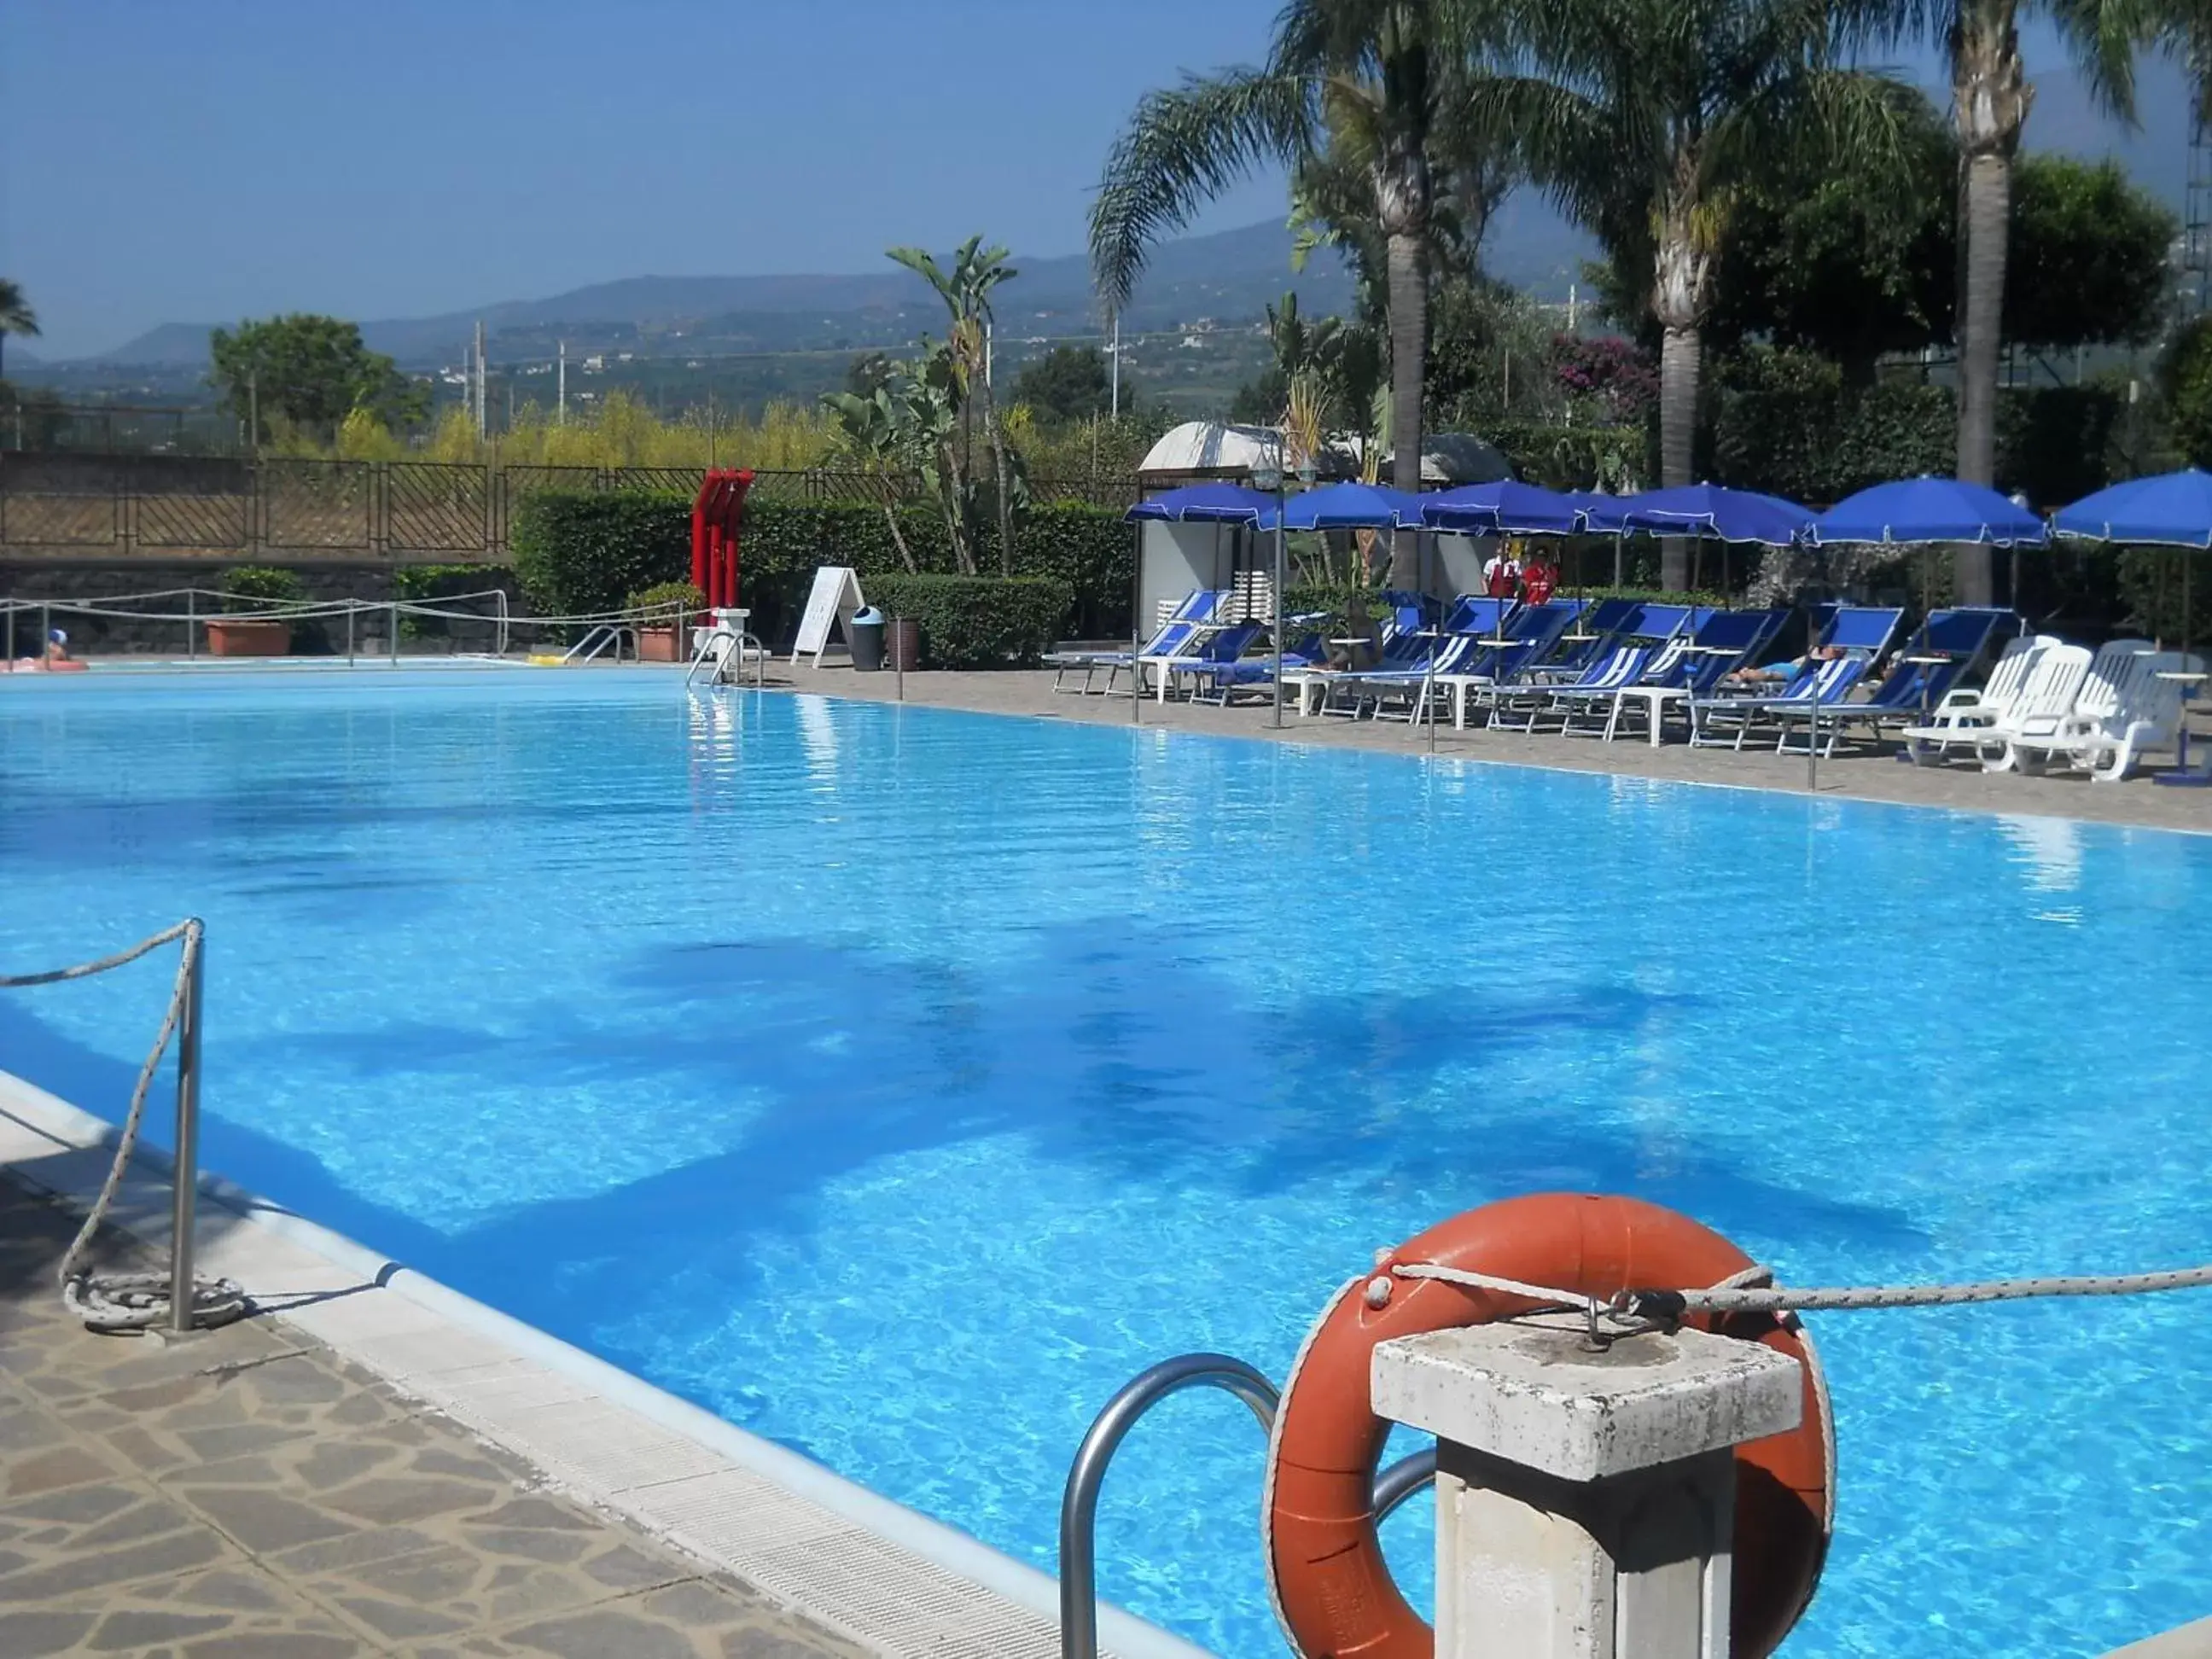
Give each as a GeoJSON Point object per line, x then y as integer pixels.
{"type": "Point", "coordinates": [245, 1494]}
{"type": "Point", "coordinates": [1864, 777]}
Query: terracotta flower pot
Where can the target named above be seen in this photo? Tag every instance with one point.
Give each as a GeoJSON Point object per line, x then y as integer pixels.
{"type": "Point", "coordinates": [657, 645]}
{"type": "Point", "coordinates": [265, 637]}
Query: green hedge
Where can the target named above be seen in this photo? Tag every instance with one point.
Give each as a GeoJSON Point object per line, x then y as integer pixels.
{"type": "Point", "coordinates": [428, 584]}
{"type": "Point", "coordinates": [977, 621]}
{"type": "Point", "coordinates": [578, 553]}
{"type": "Point", "coordinates": [581, 552]}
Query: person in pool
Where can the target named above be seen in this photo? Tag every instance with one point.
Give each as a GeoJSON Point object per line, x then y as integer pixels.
{"type": "Point", "coordinates": [57, 645]}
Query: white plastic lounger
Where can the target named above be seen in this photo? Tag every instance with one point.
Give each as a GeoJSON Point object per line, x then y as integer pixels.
{"type": "Point", "coordinates": [2046, 700]}
{"type": "Point", "coordinates": [1965, 717]}
{"type": "Point", "coordinates": [2125, 709]}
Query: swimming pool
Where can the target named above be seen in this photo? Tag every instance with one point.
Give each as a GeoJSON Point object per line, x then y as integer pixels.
{"type": "Point", "coordinates": [898, 1082]}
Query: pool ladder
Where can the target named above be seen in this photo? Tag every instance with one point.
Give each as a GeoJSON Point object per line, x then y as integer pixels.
{"type": "Point", "coordinates": [1078, 1505]}
{"type": "Point", "coordinates": [729, 662]}
{"type": "Point", "coordinates": [599, 638]}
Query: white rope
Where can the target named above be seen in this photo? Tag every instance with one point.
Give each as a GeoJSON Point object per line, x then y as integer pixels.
{"type": "Point", "coordinates": [133, 1301]}
{"type": "Point", "coordinates": [1753, 1291]}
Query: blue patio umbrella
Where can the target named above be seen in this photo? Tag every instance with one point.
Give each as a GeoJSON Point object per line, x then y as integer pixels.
{"type": "Point", "coordinates": [1507, 508]}
{"type": "Point", "coordinates": [1703, 509]}
{"type": "Point", "coordinates": [1913, 512]}
{"type": "Point", "coordinates": [2173, 509]}
{"type": "Point", "coordinates": [1352, 506]}
{"type": "Point", "coordinates": [1216, 503]}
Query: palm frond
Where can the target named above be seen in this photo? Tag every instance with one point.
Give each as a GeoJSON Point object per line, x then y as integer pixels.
{"type": "Point", "coordinates": [2102, 36]}
{"type": "Point", "coordinates": [1184, 147]}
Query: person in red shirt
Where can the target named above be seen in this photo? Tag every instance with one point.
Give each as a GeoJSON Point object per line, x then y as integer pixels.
{"type": "Point", "coordinates": [1539, 576]}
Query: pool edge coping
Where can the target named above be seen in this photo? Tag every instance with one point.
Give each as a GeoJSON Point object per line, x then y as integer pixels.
{"type": "Point", "coordinates": [1003, 1598]}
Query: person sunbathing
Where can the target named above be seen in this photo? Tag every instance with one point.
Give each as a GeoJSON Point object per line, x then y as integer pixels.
{"type": "Point", "coordinates": [1781, 673]}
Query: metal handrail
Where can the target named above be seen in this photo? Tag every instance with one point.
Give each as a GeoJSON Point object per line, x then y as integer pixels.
{"type": "Point", "coordinates": [740, 642]}
{"type": "Point", "coordinates": [599, 638]}
{"type": "Point", "coordinates": [1079, 1504]}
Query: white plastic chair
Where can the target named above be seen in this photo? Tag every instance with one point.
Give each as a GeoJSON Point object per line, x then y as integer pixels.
{"type": "Point", "coordinates": [2105, 688]}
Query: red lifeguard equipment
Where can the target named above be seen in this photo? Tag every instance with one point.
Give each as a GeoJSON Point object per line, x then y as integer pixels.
{"type": "Point", "coordinates": [718, 514]}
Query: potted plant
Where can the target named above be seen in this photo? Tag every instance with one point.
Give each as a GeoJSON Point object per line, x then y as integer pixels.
{"type": "Point", "coordinates": [671, 607]}
{"type": "Point", "coordinates": [254, 588]}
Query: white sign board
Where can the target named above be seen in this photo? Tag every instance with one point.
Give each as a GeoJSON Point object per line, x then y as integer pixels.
{"type": "Point", "coordinates": [836, 598]}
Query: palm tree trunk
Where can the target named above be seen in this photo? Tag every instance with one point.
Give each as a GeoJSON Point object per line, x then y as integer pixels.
{"type": "Point", "coordinates": [1990, 97]}
{"type": "Point", "coordinates": [1988, 218]}
{"type": "Point", "coordinates": [999, 475]}
{"type": "Point", "coordinates": [1409, 352]}
{"type": "Point", "coordinates": [1682, 367]}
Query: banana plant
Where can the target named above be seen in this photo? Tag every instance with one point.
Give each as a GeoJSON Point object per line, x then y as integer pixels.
{"type": "Point", "coordinates": [873, 432]}
{"type": "Point", "coordinates": [966, 291]}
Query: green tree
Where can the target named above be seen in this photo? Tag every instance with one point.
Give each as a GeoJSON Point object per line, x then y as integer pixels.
{"type": "Point", "coordinates": [1851, 263]}
{"type": "Point", "coordinates": [1360, 90]}
{"type": "Point", "coordinates": [2089, 255]}
{"type": "Point", "coordinates": [16, 316]}
{"type": "Point", "coordinates": [2185, 380]}
{"type": "Point", "coordinates": [1068, 383]}
{"type": "Point", "coordinates": [1646, 119]}
{"type": "Point", "coordinates": [966, 290]}
{"type": "Point", "coordinates": [311, 372]}
{"type": "Point", "coordinates": [1989, 99]}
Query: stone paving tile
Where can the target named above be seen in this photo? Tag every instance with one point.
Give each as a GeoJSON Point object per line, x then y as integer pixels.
{"type": "Point", "coordinates": [247, 1494]}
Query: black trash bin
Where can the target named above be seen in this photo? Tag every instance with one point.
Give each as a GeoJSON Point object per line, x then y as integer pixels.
{"type": "Point", "coordinates": [868, 641]}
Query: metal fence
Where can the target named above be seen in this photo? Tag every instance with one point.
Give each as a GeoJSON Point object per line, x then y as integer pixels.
{"type": "Point", "coordinates": [89, 505]}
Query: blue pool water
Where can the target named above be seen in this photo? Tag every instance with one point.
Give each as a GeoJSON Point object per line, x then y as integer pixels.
{"type": "Point", "coordinates": [898, 1082]}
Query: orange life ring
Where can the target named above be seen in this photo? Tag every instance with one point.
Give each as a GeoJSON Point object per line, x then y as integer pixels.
{"type": "Point", "coordinates": [1331, 1588]}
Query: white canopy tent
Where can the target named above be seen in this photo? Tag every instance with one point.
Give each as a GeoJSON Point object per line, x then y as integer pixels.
{"type": "Point", "coordinates": [1177, 557]}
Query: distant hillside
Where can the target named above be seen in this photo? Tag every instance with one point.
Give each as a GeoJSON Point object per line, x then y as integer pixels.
{"type": "Point", "coordinates": [1231, 274]}
{"type": "Point", "coordinates": [1229, 277]}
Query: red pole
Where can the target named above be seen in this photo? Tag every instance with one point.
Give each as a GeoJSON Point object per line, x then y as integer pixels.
{"type": "Point", "coordinates": [699, 534]}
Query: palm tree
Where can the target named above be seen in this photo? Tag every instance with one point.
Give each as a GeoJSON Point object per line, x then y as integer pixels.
{"type": "Point", "coordinates": [16, 316]}
{"type": "Point", "coordinates": [1642, 119]}
{"type": "Point", "coordinates": [966, 291]}
{"type": "Point", "coordinates": [1363, 84]}
{"type": "Point", "coordinates": [1989, 99]}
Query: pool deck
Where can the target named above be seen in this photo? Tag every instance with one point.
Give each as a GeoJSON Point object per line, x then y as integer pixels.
{"type": "Point", "coordinates": [1877, 777]}
{"type": "Point", "coordinates": [376, 1464]}
{"type": "Point", "coordinates": [248, 1492]}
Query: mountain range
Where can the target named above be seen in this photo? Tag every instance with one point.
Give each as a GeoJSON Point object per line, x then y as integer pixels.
{"type": "Point", "coordinates": [1226, 276]}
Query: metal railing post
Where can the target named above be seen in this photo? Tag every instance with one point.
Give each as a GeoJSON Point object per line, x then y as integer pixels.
{"type": "Point", "coordinates": [395, 635]}
{"type": "Point", "coordinates": [187, 1167]}
{"type": "Point", "coordinates": [351, 611]}
{"type": "Point", "coordinates": [191, 626]}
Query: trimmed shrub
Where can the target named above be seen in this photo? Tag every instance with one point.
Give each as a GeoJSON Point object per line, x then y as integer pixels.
{"type": "Point", "coordinates": [430, 584]}
{"type": "Point", "coordinates": [577, 552]}
{"type": "Point", "coordinates": [257, 586]}
{"type": "Point", "coordinates": [977, 621]}
{"type": "Point", "coordinates": [580, 553]}
{"type": "Point", "coordinates": [667, 597]}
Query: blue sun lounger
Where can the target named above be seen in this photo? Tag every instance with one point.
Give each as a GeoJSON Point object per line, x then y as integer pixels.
{"type": "Point", "coordinates": [1723, 643]}
{"type": "Point", "coordinates": [1197, 606]}
{"type": "Point", "coordinates": [1668, 629]}
{"type": "Point", "coordinates": [1520, 709]}
{"type": "Point", "coordinates": [1941, 649]}
{"type": "Point", "coordinates": [1727, 715]}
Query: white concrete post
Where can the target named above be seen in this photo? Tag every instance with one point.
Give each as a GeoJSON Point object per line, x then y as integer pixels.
{"type": "Point", "coordinates": [1585, 1498]}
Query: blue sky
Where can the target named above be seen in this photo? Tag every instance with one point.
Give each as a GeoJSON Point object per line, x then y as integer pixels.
{"type": "Point", "coordinates": [201, 162]}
